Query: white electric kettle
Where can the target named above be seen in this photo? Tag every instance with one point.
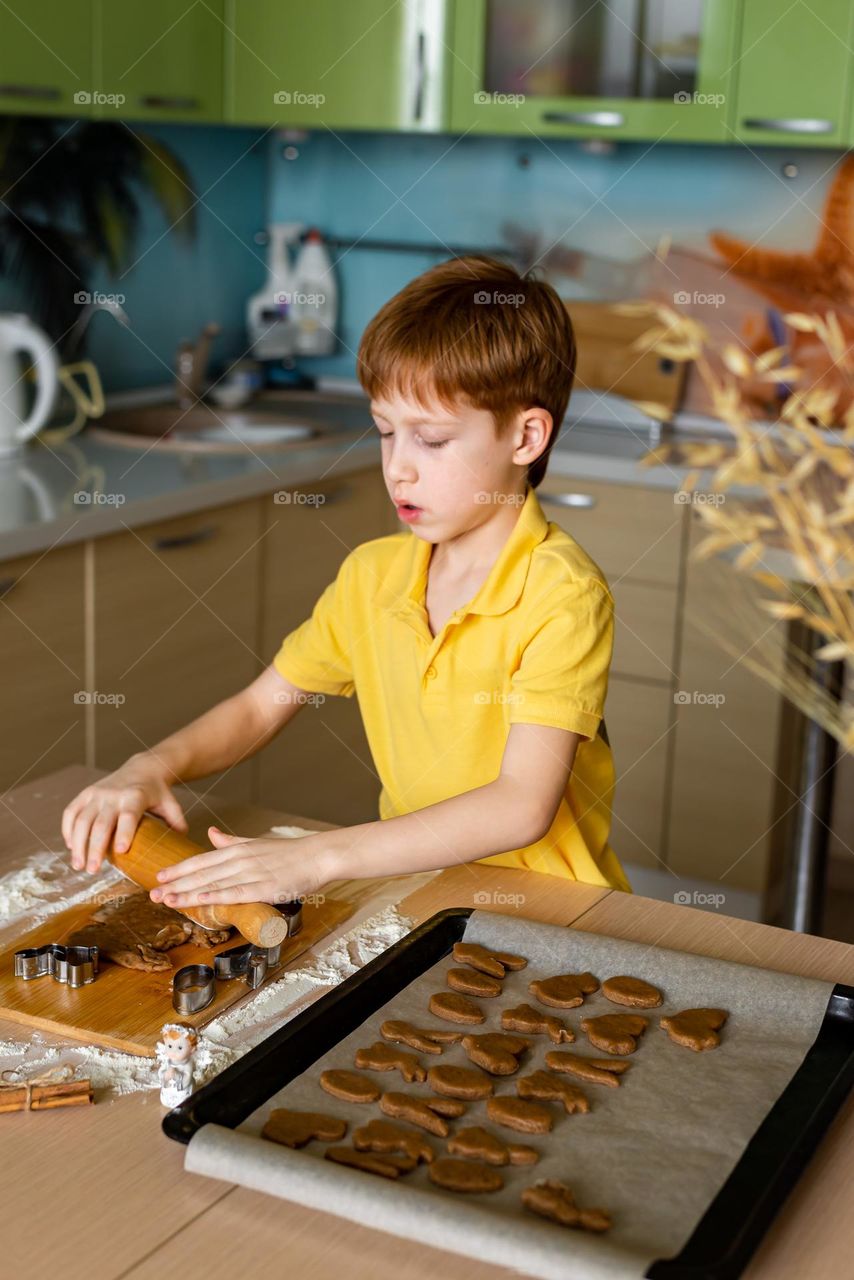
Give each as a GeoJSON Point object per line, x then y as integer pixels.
{"type": "Point", "coordinates": [18, 333]}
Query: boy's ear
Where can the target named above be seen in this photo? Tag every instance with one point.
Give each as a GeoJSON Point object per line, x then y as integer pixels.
{"type": "Point", "coordinates": [536, 430]}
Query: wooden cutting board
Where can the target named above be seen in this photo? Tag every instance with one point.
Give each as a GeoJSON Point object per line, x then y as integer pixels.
{"type": "Point", "coordinates": [607, 361]}
{"type": "Point", "coordinates": [125, 1008]}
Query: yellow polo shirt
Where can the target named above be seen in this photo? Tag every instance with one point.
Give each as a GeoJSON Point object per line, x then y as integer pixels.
{"type": "Point", "coordinates": [533, 647]}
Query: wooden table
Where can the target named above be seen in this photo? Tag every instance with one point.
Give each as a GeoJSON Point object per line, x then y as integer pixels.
{"type": "Point", "coordinates": [100, 1193]}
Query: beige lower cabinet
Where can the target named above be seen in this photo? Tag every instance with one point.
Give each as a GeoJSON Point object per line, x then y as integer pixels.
{"type": "Point", "coordinates": [43, 700]}
{"type": "Point", "coordinates": [727, 729]}
{"type": "Point", "coordinates": [175, 629]}
{"type": "Point", "coordinates": [320, 764]}
{"type": "Point", "coordinates": [639, 722]}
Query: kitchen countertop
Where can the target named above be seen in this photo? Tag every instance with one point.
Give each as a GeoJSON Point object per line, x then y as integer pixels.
{"type": "Point", "coordinates": [61, 494]}
{"type": "Point", "coordinates": [101, 1194]}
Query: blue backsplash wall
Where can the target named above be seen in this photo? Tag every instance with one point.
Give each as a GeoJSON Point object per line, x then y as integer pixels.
{"type": "Point", "coordinates": [463, 191]}
{"type": "Point", "coordinates": [454, 191]}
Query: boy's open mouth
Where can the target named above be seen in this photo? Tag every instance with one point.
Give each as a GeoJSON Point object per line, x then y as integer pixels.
{"type": "Point", "coordinates": [406, 511]}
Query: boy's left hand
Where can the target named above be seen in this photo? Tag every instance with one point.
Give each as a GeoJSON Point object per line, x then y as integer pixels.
{"type": "Point", "coordinates": [239, 869]}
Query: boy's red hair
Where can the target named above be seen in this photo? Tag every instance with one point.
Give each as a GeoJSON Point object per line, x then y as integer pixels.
{"type": "Point", "coordinates": [474, 329]}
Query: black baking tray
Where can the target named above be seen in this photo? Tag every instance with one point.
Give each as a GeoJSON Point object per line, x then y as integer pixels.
{"type": "Point", "coordinates": [737, 1218]}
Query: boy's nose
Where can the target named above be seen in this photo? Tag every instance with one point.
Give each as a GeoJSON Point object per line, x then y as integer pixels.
{"type": "Point", "coordinates": [399, 466]}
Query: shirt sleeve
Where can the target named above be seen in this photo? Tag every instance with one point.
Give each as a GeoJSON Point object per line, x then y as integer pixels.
{"type": "Point", "coordinates": [562, 678]}
{"type": "Point", "coordinates": [316, 656]}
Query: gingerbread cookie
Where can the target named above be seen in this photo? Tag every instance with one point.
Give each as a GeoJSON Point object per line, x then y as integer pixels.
{"type": "Point", "coordinates": [550, 1088]}
{"type": "Point", "coordinates": [455, 1008]}
{"type": "Point", "coordinates": [632, 991]}
{"type": "Point", "coordinates": [497, 1053]}
{"type": "Point", "coordinates": [534, 1022]}
{"type": "Point", "coordinates": [494, 963]}
{"type": "Point", "coordinates": [479, 1144]}
{"type": "Point", "coordinates": [553, 1199]}
{"type": "Point", "coordinates": [463, 1176]}
{"type": "Point", "coordinates": [695, 1028]}
{"type": "Point", "coordinates": [516, 1113]}
{"type": "Point", "coordinates": [418, 1037]}
{"type": "Point", "coordinates": [419, 1111]}
{"type": "Point", "coordinates": [350, 1086]}
{"type": "Point", "coordinates": [381, 1057]}
{"type": "Point", "coordinates": [390, 1166]}
{"type": "Point", "coordinates": [605, 1071]}
{"type": "Point", "coordinates": [459, 1082]}
{"type": "Point", "coordinates": [298, 1128]}
{"type": "Point", "coordinates": [565, 991]}
{"type": "Point", "coordinates": [384, 1136]}
{"type": "Point", "coordinates": [473, 983]}
{"type": "Point", "coordinates": [615, 1032]}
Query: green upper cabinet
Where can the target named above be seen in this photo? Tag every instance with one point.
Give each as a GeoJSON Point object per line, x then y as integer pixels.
{"type": "Point", "coordinates": [647, 69]}
{"type": "Point", "coordinates": [794, 72]}
{"type": "Point", "coordinates": [46, 57]}
{"type": "Point", "coordinates": [363, 64]}
{"type": "Point", "coordinates": [159, 60]}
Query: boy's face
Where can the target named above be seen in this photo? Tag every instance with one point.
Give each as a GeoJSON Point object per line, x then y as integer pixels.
{"type": "Point", "coordinates": [446, 470]}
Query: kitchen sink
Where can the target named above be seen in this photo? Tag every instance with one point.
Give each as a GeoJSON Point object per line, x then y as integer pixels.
{"type": "Point", "coordinates": [272, 421]}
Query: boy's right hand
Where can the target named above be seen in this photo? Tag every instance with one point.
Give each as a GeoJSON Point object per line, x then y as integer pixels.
{"type": "Point", "coordinates": [116, 803]}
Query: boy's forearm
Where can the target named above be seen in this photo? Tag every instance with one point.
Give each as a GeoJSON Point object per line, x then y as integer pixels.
{"type": "Point", "coordinates": [230, 732]}
{"type": "Point", "coordinates": [487, 820]}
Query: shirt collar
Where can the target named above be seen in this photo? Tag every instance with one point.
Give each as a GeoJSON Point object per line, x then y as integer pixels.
{"type": "Point", "coordinates": [405, 585]}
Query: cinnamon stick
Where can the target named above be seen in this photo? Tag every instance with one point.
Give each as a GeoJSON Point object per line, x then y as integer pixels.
{"type": "Point", "coordinates": [74, 1093]}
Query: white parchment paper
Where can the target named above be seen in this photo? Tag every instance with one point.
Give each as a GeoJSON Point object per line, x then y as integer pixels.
{"type": "Point", "coordinates": [653, 1152]}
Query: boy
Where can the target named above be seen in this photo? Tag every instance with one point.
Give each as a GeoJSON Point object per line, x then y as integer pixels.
{"type": "Point", "coordinates": [478, 642]}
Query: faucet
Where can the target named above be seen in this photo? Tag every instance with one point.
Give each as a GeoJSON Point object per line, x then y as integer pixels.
{"type": "Point", "coordinates": [82, 322]}
{"type": "Point", "coordinates": [191, 362]}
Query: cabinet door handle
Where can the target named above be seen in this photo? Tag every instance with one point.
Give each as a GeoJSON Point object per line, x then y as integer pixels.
{"type": "Point", "coordinates": [6, 585]}
{"type": "Point", "coordinates": [169, 542]}
{"type": "Point", "coordinates": [582, 501]}
{"type": "Point", "coordinates": [169, 102]}
{"type": "Point", "coordinates": [789, 126]}
{"type": "Point", "coordinates": [600, 119]}
{"type": "Point", "coordinates": [33, 92]}
{"type": "Point", "coordinates": [420, 77]}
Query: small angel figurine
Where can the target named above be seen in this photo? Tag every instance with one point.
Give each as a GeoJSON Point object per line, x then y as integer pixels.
{"type": "Point", "coordinates": [175, 1055]}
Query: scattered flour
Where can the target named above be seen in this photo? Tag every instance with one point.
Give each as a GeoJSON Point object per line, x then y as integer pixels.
{"type": "Point", "coordinates": [47, 884]}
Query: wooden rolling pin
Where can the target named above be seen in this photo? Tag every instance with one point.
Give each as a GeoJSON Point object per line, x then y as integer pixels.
{"type": "Point", "coordinates": [156, 846]}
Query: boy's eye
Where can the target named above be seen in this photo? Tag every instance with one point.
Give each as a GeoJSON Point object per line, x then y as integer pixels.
{"type": "Point", "coordinates": [435, 444]}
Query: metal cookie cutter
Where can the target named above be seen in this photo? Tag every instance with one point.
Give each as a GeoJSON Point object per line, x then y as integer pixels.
{"type": "Point", "coordinates": [193, 988]}
{"type": "Point", "coordinates": [248, 961]}
{"type": "Point", "coordinates": [75, 966]}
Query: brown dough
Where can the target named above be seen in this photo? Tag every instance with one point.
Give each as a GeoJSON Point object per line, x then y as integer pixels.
{"type": "Point", "coordinates": [497, 1052]}
{"type": "Point", "coordinates": [382, 1057]}
{"type": "Point", "coordinates": [534, 1022]}
{"type": "Point", "coordinates": [492, 962]}
{"type": "Point", "coordinates": [553, 1199]}
{"type": "Point", "coordinates": [387, 1166]}
{"type": "Point", "coordinates": [419, 1111]}
{"type": "Point", "coordinates": [460, 1082]}
{"type": "Point", "coordinates": [463, 1176]}
{"type": "Point", "coordinates": [473, 983]}
{"type": "Point", "coordinates": [455, 1008]}
{"type": "Point", "coordinates": [384, 1136]}
{"type": "Point", "coordinates": [615, 1032]}
{"type": "Point", "coordinates": [298, 1128]}
{"type": "Point", "coordinates": [515, 1113]}
{"type": "Point", "coordinates": [550, 1088]}
{"type": "Point", "coordinates": [605, 1071]}
{"type": "Point", "coordinates": [632, 991]}
{"type": "Point", "coordinates": [135, 932]}
{"type": "Point", "coordinates": [350, 1086]}
{"type": "Point", "coordinates": [565, 991]}
{"type": "Point", "coordinates": [418, 1037]}
{"type": "Point", "coordinates": [695, 1028]}
{"type": "Point", "coordinates": [477, 1143]}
